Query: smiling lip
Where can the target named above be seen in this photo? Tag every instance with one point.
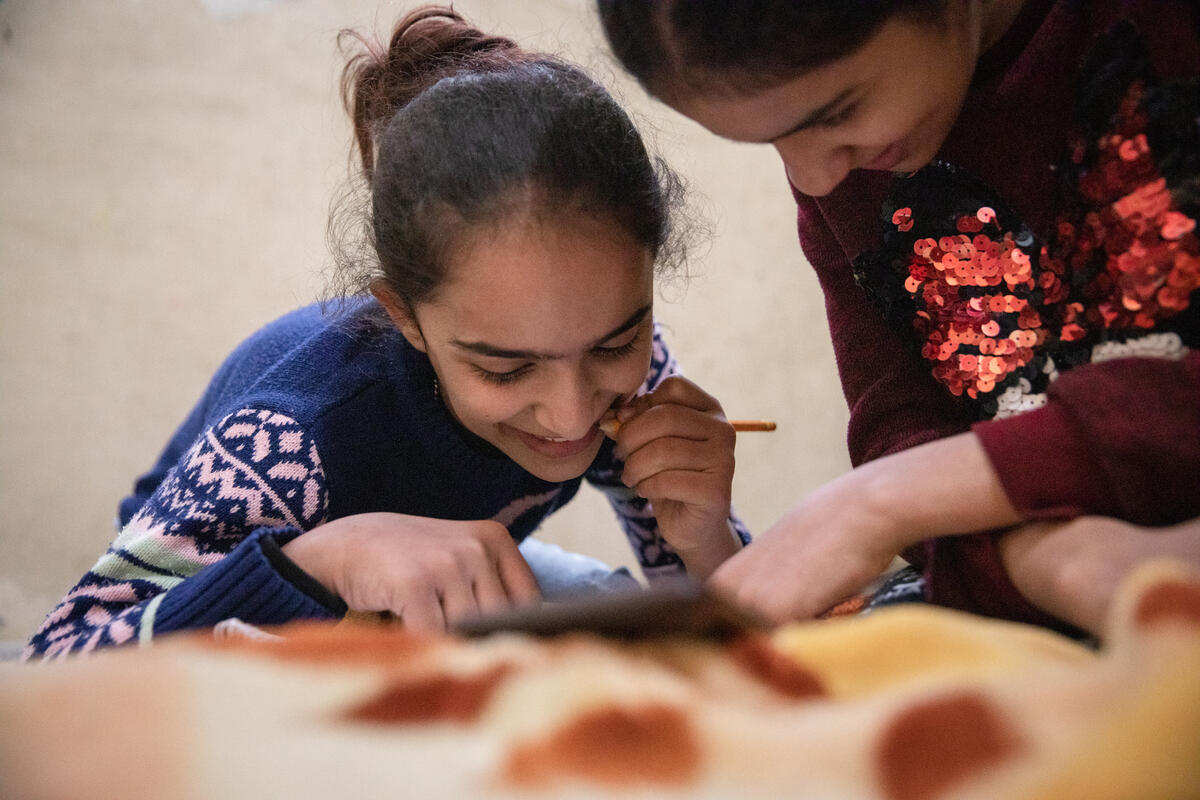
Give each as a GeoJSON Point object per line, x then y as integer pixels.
{"type": "Point", "coordinates": [888, 159]}
{"type": "Point", "coordinates": [553, 449]}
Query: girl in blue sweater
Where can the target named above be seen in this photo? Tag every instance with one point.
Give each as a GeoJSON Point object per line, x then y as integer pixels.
{"type": "Point", "coordinates": [391, 456]}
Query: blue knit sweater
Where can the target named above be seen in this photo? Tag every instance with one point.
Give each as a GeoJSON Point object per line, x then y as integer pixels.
{"type": "Point", "coordinates": [313, 418]}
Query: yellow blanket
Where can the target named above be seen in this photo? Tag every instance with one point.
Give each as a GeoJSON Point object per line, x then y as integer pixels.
{"type": "Point", "coordinates": [907, 703]}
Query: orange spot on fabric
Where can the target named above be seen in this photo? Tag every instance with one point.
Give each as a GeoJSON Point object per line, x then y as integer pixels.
{"type": "Point", "coordinates": [431, 699]}
{"type": "Point", "coordinates": [756, 655]}
{"type": "Point", "coordinates": [614, 746]}
{"type": "Point", "coordinates": [1172, 601]}
{"type": "Point", "coordinates": [325, 643]}
{"type": "Point", "coordinates": [853, 605]}
{"type": "Point", "coordinates": [931, 746]}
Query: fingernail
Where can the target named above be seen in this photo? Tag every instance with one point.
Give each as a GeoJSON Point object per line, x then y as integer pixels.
{"type": "Point", "coordinates": [610, 426]}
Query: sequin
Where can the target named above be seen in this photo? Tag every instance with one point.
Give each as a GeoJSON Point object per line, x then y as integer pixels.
{"type": "Point", "coordinates": [1138, 254]}
{"type": "Point", "coordinates": [994, 307]}
{"type": "Point", "coordinates": [945, 274]}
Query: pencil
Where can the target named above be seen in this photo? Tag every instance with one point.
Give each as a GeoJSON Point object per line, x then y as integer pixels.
{"type": "Point", "coordinates": [611, 425]}
{"type": "Point", "coordinates": [747, 425]}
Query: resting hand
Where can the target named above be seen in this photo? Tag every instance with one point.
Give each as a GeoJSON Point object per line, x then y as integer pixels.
{"type": "Point", "coordinates": [825, 549]}
{"type": "Point", "coordinates": [678, 453]}
{"type": "Point", "coordinates": [429, 573]}
{"type": "Point", "coordinates": [841, 537]}
{"type": "Point", "coordinates": [1072, 569]}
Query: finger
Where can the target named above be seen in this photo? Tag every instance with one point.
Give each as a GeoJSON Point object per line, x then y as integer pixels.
{"type": "Point", "coordinates": [490, 594]}
{"type": "Point", "coordinates": [477, 572]}
{"type": "Point", "coordinates": [673, 454]}
{"type": "Point", "coordinates": [677, 390]}
{"type": "Point", "coordinates": [693, 489]}
{"type": "Point", "coordinates": [422, 612]}
{"type": "Point", "coordinates": [674, 421]}
{"type": "Point", "coordinates": [458, 601]}
{"type": "Point", "coordinates": [520, 586]}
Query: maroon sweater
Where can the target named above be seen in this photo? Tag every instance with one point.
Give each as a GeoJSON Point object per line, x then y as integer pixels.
{"type": "Point", "coordinates": [1118, 438]}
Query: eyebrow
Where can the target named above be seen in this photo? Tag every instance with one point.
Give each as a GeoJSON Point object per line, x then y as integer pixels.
{"type": "Point", "coordinates": [815, 116]}
{"type": "Point", "coordinates": [491, 351]}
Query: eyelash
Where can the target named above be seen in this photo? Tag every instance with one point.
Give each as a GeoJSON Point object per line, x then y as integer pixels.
{"type": "Point", "coordinates": [501, 377]}
{"type": "Point", "coordinates": [605, 353]}
{"type": "Point", "coordinates": [618, 351]}
{"type": "Point", "coordinates": [837, 118]}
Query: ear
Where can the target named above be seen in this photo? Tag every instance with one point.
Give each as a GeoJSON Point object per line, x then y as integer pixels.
{"type": "Point", "coordinates": [400, 313]}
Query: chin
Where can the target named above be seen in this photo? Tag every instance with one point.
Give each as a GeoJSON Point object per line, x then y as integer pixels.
{"type": "Point", "coordinates": [559, 472]}
{"type": "Point", "coordinates": [555, 470]}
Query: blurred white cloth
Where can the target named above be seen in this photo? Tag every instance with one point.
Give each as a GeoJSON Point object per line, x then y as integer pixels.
{"type": "Point", "coordinates": [563, 575]}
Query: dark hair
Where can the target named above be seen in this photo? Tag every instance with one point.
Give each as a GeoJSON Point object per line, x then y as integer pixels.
{"type": "Point", "coordinates": [715, 46]}
{"type": "Point", "coordinates": [456, 128]}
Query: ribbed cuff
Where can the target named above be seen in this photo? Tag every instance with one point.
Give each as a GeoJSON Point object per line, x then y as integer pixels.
{"type": "Point", "coordinates": [290, 571]}
{"type": "Point", "coordinates": [1044, 465]}
{"type": "Point", "coordinates": [245, 584]}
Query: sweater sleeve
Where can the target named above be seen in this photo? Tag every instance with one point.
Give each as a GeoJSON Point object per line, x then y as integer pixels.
{"type": "Point", "coordinates": [205, 546]}
{"type": "Point", "coordinates": [1117, 438]}
{"type": "Point", "coordinates": [636, 515]}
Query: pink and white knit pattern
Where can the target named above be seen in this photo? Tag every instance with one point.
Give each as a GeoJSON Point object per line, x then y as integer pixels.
{"type": "Point", "coordinates": [254, 469]}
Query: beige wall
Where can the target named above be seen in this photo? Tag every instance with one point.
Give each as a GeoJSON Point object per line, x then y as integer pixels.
{"type": "Point", "coordinates": [165, 172]}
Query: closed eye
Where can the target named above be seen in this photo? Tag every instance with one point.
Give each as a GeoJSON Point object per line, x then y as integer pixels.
{"type": "Point", "coordinates": [621, 350]}
{"type": "Point", "coordinates": [842, 115]}
{"type": "Point", "coordinates": [502, 377]}
{"type": "Point", "coordinates": [616, 352]}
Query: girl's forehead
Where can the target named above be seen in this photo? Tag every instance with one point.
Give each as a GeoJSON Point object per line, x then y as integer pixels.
{"type": "Point", "coordinates": [539, 283]}
{"type": "Point", "coordinates": [527, 251]}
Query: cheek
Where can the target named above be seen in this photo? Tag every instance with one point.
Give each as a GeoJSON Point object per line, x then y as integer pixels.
{"type": "Point", "coordinates": [628, 376]}
{"type": "Point", "coordinates": [496, 404]}
{"type": "Point", "coordinates": [896, 121]}
{"type": "Point", "coordinates": [474, 401]}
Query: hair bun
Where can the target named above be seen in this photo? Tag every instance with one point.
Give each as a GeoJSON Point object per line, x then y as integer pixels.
{"type": "Point", "coordinates": [428, 44]}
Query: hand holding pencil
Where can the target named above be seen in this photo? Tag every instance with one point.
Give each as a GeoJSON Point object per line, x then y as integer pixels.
{"type": "Point", "coordinates": [678, 452]}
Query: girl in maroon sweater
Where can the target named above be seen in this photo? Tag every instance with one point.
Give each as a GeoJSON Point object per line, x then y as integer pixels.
{"type": "Point", "coordinates": [994, 194]}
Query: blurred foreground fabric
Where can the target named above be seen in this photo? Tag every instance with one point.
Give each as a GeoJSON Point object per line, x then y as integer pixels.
{"type": "Point", "coordinates": [908, 702]}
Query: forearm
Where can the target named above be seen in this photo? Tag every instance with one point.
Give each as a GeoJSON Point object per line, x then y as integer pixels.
{"type": "Point", "coordinates": [1072, 569]}
{"type": "Point", "coordinates": [942, 488]}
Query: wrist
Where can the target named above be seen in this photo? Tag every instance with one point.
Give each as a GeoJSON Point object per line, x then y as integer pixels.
{"type": "Point", "coordinates": [878, 504]}
{"type": "Point", "coordinates": [307, 553]}
{"type": "Point", "coordinates": [702, 560]}
{"type": "Point", "coordinates": [298, 577]}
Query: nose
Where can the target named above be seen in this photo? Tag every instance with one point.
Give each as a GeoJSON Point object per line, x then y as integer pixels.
{"type": "Point", "coordinates": [814, 167]}
{"type": "Point", "coordinates": [570, 404]}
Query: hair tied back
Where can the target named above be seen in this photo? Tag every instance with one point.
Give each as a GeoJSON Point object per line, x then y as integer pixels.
{"type": "Point", "coordinates": [428, 44]}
